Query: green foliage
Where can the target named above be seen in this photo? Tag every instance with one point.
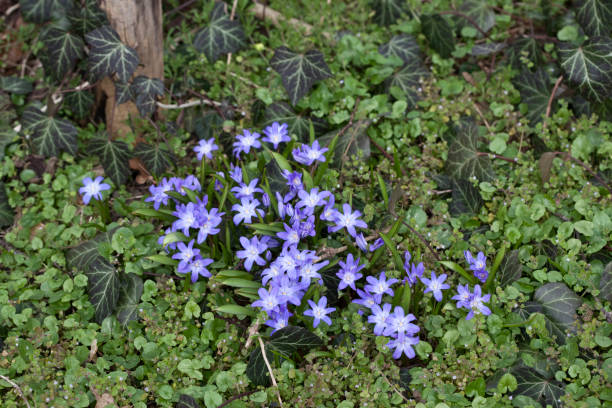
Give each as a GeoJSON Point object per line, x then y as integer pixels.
{"type": "Point", "coordinates": [221, 36]}
{"type": "Point", "coordinates": [114, 155]}
{"type": "Point", "coordinates": [108, 55]}
{"type": "Point", "coordinates": [62, 51]}
{"type": "Point", "coordinates": [50, 136]}
{"type": "Point", "coordinates": [464, 160]}
{"type": "Point", "coordinates": [439, 34]}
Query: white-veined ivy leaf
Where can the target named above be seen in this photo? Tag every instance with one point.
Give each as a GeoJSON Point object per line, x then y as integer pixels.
{"type": "Point", "coordinates": [482, 50]}
{"type": "Point", "coordinates": [559, 305]}
{"type": "Point", "coordinates": [256, 369]}
{"type": "Point", "coordinates": [7, 112]}
{"type": "Point", "coordinates": [463, 159]}
{"type": "Point", "coordinates": [155, 159]}
{"type": "Point", "coordinates": [123, 92]}
{"type": "Point", "coordinates": [80, 103]}
{"type": "Point", "coordinates": [510, 269]}
{"type": "Point", "coordinates": [81, 255]}
{"type": "Point", "coordinates": [221, 36]}
{"type": "Point", "coordinates": [403, 46]}
{"type": "Point", "coordinates": [524, 48]}
{"type": "Point", "coordinates": [480, 12]}
{"type": "Point", "coordinates": [114, 155]}
{"type": "Point", "coordinates": [50, 136]}
{"type": "Point", "coordinates": [535, 91]}
{"type": "Point", "coordinates": [439, 34]}
{"type": "Point", "coordinates": [103, 287]}
{"type": "Point", "coordinates": [353, 141]}
{"type": "Point", "coordinates": [299, 71]}
{"type": "Point", "coordinates": [298, 124]}
{"type": "Point", "coordinates": [16, 85]}
{"type": "Point", "coordinates": [146, 91]}
{"type": "Point", "coordinates": [408, 79]}
{"type": "Point", "coordinates": [187, 401]}
{"type": "Point", "coordinates": [131, 288]}
{"type": "Point", "coordinates": [7, 136]}
{"type": "Point", "coordinates": [589, 66]}
{"type": "Point", "coordinates": [290, 339]}
{"type": "Point", "coordinates": [87, 18]}
{"type": "Point", "coordinates": [595, 17]}
{"type": "Point", "coordinates": [388, 12]}
{"type": "Point", "coordinates": [465, 198]}
{"type": "Point", "coordinates": [6, 212]}
{"type": "Point", "coordinates": [62, 50]}
{"type": "Point", "coordinates": [108, 55]}
{"type": "Point", "coordinates": [41, 11]}
{"type": "Point", "coordinates": [605, 283]}
{"type": "Point", "coordinates": [534, 384]}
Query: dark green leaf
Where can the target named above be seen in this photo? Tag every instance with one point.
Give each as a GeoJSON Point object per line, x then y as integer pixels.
{"type": "Point", "coordinates": [480, 12]}
{"type": "Point", "coordinates": [388, 12]}
{"type": "Point", "coordinates": [289, 339]}
{"type": "Point", "coordinates": [535, 90]}
{"type": "Point", "coordinates": [123, 92]}
{"type": "Point", "coordinates": [595, 17]}
{"type": "Point", "coordinates": [403, 46]}
{"type": "Point", "coordinates": [88, 18]}
{"type": "Point", "coordinates": [146, 91]}
{"type": "Point", "coordinates": [534, 384]}
{"type": "Point", "coordinates": [187, 401]}
{"type": "Point", "coordinates": [589, 66]}
{"type": "Point", "coordinates": [299, 71]}
{"type": "Point", "coordinates": [605, 283]}
{"type": "Point", "coordinates": [83, 254]}
{"type": "Point", "coordinates": [114, 155]}
{"type": "Point", "coordinates": [485, 49]}
{"type": "Point", "coordinates": [510, 269]}
{"type": "Point", "coordinates": [463, 158]}
{"type": "Point", "coordinates": [298, 124]}
{"type": "Point", "coordinates": [7, 112]}
{"type": "Point", "coordinates": [439, 34]}
{"type": "Point", "coordinates": [221, 36]}
{"type": "Point", "coordinates": [7, 136]}
{"type": "Point", "coordinates": [527, 48]}
{"type": "Point", "coordinates": [41, 11]}
{"type": "Point", "coordinates": [16, 85]}
{"type": "Point", "coordinates": [256, 369]}
{"type": "Point", "coordinates": [559, 305]}
{"type": "Point", "coordinates": [103, 288]}
{"type": "Point", "coordinates": [354, 140]}
{"type": "Point", "coordinates": [108, 55]}
{"type": "Point", "coordinates": [49, 135]}
{"type": "Point", "coordinates": [80, 103]}
{"type": "Point", "coordinates": [408, 79]}
{"type": "Point", "coordinates": [131, 288]}
{"type": "Point", "coordinates": [465, 198]}
{"type": "Point", "coordinates": [155, 159]}
{"type": "Point", "coordinates": [6, 212]}
{"type": "Point", "coordinates": [62, 50]}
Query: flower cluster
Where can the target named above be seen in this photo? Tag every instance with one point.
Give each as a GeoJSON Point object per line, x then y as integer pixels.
{"type": "Point", "coordinates": [473, 301]}
{"type": "Point", "coordinates": [478, 265]}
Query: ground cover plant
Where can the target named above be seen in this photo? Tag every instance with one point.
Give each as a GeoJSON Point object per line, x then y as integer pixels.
{"type": "Point", "coordinates": [323, 204]}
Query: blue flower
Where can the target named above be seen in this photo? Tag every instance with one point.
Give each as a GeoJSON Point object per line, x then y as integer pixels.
{"type": "Point", "coordinates": [198, 268]}
{"type": "Point", "coordinates": [435, 285]}
{"type": "Point", "coordinates": [290, 236]}
{"type": "Point", "coordinates": [208, 221]}
{"type": "Point", "coordinates": [246, 210]}
{"type": "Point", "coordinates": [251, 252]}
{"type": "Point", "coordinates": [245, 142]}
{"type": "Point", "coordinates": [319, 311]}
{"type": "Point", "coordinates": [380, 286]}
{"type": "Point", "coordinates": [279, 320]}
{"type": "Point", "coordinates": [205, 148]}
{"type": "Point", "coordinates": [349, 272]}
{"type": "Point", "coordinates": [349, 220]}
{"type": "Point", "coordinates": [400, 323]}
{"type": "Point", "coordinates": [403, 345]}
{"type": "Point", "coordinates": [268, 300]}
{"type": "Point", "coordinates": [415, 272]}
{"type": "Point", "coordinates": [276, 134]}
{"type": "Point", "coordinates": [463, 296]}
{"type": "Point", "coordinates": [244, 191]}
{"type": "Point", "coordinates": [312, 199]}
{"type": "Point", "coordinates": [376, 244]}
{"type": "Point", "coordinates": [365, 299]}
{"type": "Point", "coordinates": [186, 218]}
{"type": "Point", "coordinates": [476, 303]}
{"type": "Point", "coordinates": [294, 181]}
{"type": "Point", "coordinates": [289, 290]}
{"type": "Point", "coordinates": [307, 155]}
{"type": "Point", "coordinates": [310, 270]}
{"type": "Point", "coordinates": [185, 255]}
{"type": "Point", "coordinates": [158, 193]}
{"type": "Point", "coordinates": [329, 212]}
{"type": "Point", "coordinates": [93, 188]}
{"type": "Point", "coordinates": [379, 317]}
{"type": "Point", "coordinates": [478, 265]}
{"type": "Point", "coordinates": [235, 173]}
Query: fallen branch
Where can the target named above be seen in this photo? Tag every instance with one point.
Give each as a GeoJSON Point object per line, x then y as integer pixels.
{"type": "Point", "coordinates": [263, 351]}
{"type": "Point", "coordinates": [16, 387]}
{"type": "Point", "coordinates": [263, 12]}
{"type": "Point", "coordinates": [550, 99]}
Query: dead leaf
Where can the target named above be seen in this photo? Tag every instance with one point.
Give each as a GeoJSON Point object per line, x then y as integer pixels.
{"type": "Point", "coordinates": [545, 164]}
{"type": "Point", "coordinates": [104, 400]}
{"type": "Point", "coordinates": [469, 78]}
{"type": "Point", "coordinates": [143, 176]}
{"type": "Point", "coordinates": [93, 349]}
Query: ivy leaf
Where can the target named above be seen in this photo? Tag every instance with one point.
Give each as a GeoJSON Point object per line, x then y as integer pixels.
{"type": "Point", "coordinates": [131, 288]}
{"type": "Point", "coordinates": [403, 46]}
{"type": "Point", "coordinates": [605, 283]}
{"type": "Point", "coordinates": [80, 256]}
{"type": "Point", "coordinates": [49, 135]}
{"type": "Point", "coordinates": [535, 91]}
{"type": "Point", "coordinates": [88, 18]}
{"type": "Point", "coordinates": [146, 90]}
{"type": "Point", "coordinates": [7, 112]}
{"type": "Point", "coordinates": [108, 55]}
{"type": "Point", "coordinates": [534, 384]}
{"type": "Point", "coordinates": [559, 305]}
{"type": "Point", "coordinates": [595, 17]}
{"type": "Point", "coordinates": [6, 212]}
{"type": "Point", "coordinates": [510, 269]}
{"type": "Point", "coordinates": [61, 52]}
{"type": "Point", "coordinates": [80, 103]}
{"type": "Point", "coordinates": [439, 34]}
{"type": "Point", "coordinates": [256, 369]}
{"type": "Point", "coordinates": [298, 124]}
{"type": "Point", "coordinates": [114, 155]}
{"type": "Point", "coordinates": [524, 48]}
{"type": "Point", "coordinates": [103, 287]}
{"type": "Point", "coordinates": [123, 92]}
{"type": "Point", "coordinates": [222, 35]}
{"type": "Point", "coordinates": [299, 71]}
{"type": "Point", "coordinates": [589, 66]}
{"type": "Point", "coordinates": [7, 136]}
{"type": "Point", "coordinates": [407, 79]}
{"type": "Point", "coordinates": [187, 401]}
{"type": "Point", "coordinates": [155, 159]}
{"type": "Point", "coordinates": [354, 140]}
{"type": "Point", "coordinates": [41, 11]}
{"type": "Point", "coordinates": [463, 161]}
{"type": "Point", "coordinates": [465, 198]}
{"type": "Point", "coordinates": [388, 12]}
{"type": "Point", "coordinates": [483, 50]}
{"type": "Point", "coordinates": [16, 85]}
{"type": "Point", "coordinates": [290, 339]}
{"type": "Point", "coordinates": [480, 12]}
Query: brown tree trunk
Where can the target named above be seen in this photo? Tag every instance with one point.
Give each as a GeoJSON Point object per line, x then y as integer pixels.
{"type": "Point", "coordinates": [139, 25]}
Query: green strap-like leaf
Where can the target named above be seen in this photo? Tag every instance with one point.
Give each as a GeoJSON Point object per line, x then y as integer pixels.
{"type": "Point", "coordinates": [16, 85]}
{"type": "Point", "coordinates": [535, 91]}
{"type": "Point", "coordinates": [62, 50]}
{"type": "Point", "coordinates": [463, 161]}
{"type": "Point", "coordinates": [510, 269]}
{"type": "Point", "coordinates": [589, 66]}
{"type": "Point", "coordinates": [108, 55]}
{"type": "Point", "coordinates": [41, 11]}
{"type": "Point", "coordinates": [88, 18]}
{"type": "Point", "coordinates": [6, 212]}
{"type": "Point", "coordinates": [480, 12]}
{"type": "Point", "coordinates": [131, 288]}
{"type": "Point", "coordinates": [408, 79]}
{"type": "Point", "coordinates": [439, 34]}
{"type": "Point", "coordinates": [403, 46]}
{"type": "Point", "coordinates": [297, 124]}
{"type": "Point", "coordinates": [221, 36]}
{"type": "Point", "coordinates": [388, 12]}
{"type": "Point", "coordinates": [49, 135]}
{"type": "Point", "coordinates": [299, 71]}
{"type": "Point", "coordinates": [80, 103]}
{"type": "Point", "coordinates": [289, 339]}
{"type": "Point", "coordinates": [155, 159]}
{"type": "Point", "coordinates": [595, 17]}
{"type": "Point", "coordinates": [104, 286]}
{"type": "Point", "coordinates": [465, 198]}
{"type": "Point", "coordinates": [146, 91]}
{"type": "Point", "coordinates": [534, 384]}
{"type": "Point", "coordinates": [114, 155]}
